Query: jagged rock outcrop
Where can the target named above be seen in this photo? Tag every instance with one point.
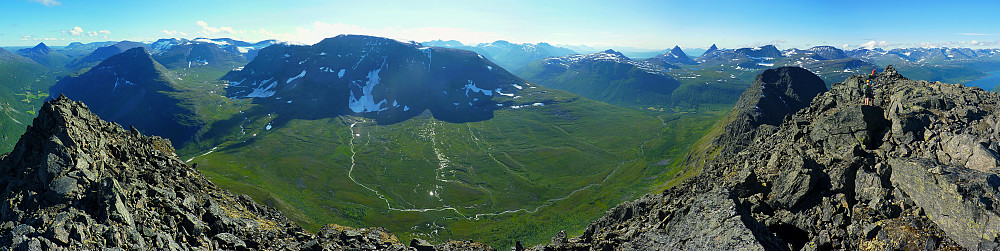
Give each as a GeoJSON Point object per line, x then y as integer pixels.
{"type": "Point", "coordinates": [74, 181]}
{"type": "Point", "coordinates": [774, 94]}
{"type": "Point", "coordinates": [916, 170]}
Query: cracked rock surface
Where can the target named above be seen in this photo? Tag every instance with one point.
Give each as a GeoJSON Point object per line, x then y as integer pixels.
{"type": "Point", "coordinates": [76, 182]}
{"type": "Point", "coordinates": [916, 170]}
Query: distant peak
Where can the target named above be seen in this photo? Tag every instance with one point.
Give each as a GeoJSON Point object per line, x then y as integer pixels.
{"type": "Point", "coordinates": [713, 47]}
{"type": "Point", "coordinates": [677, 51]}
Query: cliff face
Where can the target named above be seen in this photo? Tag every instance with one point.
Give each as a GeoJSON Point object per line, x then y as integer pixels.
{"type": "Point", "coordinates": [915, 170]}
{"type": "Point", "coordinates": [75, 181]}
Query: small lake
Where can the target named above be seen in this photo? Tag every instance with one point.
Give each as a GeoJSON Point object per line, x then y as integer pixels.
{"type": "Point", "coordinates": [987, 83]}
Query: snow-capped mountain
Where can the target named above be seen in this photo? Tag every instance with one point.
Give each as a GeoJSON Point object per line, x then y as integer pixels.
{"type": "Point", "coordinates": [132, 89]}
{"type": "Point", "coordinates": [509, 55]}
{"type": "Point", "coordinates": [197, 54]}
{"type": "Point", "coordinates": [923, 55]}
{"type": "Point", "coordinates": [375, 77]}
{"type": "Point", "coordinates": [78, 46]}
{"type": "Point", "coordinates": [744, 58]}
{"type": "Point", "coordinates": [827, 52]}
{"type": "Point", "coordinates": [607, 76]}
{"type": "Point", "coordinates": [245, 49]}
{"type": "Point", "coordinates": [569, 61]}
{"type": "Point", "coordinates": [675, 56]}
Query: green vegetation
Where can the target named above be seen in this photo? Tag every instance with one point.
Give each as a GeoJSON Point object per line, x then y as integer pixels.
{"type": "Point", "coordinates": [23, 88]}
{"type": "Point", "coordinates": [524, 175]}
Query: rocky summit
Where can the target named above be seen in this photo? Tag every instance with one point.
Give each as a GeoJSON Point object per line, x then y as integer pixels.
{"type": "Point", "coordinates": [76, 182]}
{"type": "Point", "coordinates": [914, 170]}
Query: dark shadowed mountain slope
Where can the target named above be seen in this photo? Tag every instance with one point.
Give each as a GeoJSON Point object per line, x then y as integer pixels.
{"type": "Point", "coordinates": [132, 89]}
{"type": "Point", "coordinates": [102, 53]}
{"type": "Point", "coordinates": [374, 77]}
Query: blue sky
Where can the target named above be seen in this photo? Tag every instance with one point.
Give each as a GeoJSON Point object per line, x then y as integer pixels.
{"type": "Point", "coordinates": [656, 24]}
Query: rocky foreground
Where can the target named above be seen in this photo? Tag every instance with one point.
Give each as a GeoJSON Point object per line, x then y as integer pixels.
{"type": "Point", "coordinates": [916, 170]}
{"type": "Point", "coordinates": [74, 181]}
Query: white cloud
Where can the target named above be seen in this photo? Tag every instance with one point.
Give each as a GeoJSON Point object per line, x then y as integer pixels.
{"type": "Point", "coordinates": [873, 44]}
{"type": "Point", "coordinates": [174, 33]}
{"type": "Point", "coordinates": [75, 31]}
{"type": "Point", "coordinates": [48, 2]}
{"type": "Point", "coordinates": [209, 30]}
{"type": "Point", "coordinates": [25, 38]}
{"type": "Point", "coordinates": [320, 30]}
{"type": "Point", "coordinates": [845, 46]}
{"type": "Point", "coordinates": [759, 44]}
{"type": "Point", "coordinates": [104, 32]}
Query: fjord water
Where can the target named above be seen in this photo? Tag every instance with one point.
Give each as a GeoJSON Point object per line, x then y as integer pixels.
{"type": "Point", "coordinates": [987, 83]}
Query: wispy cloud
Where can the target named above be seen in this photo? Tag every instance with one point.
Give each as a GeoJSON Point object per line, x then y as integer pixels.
{"type": "Point", "coordinates": [320, 30]}
{"type": "Point", "coordinates": [209, 30]}
{"type": "Point", "coordinates": [978, 34]}
{"type": "Point", "coordinates": [876, 44]}
{"type": "Point", "coordinates": [75, 31]}
{"type": "Point", "coordinates": [27, 38]}
{"type": "Point", "coordinates": [174, 33]}
{"type": "Point", "coordinates": [48, 2]}
{"type": "Point", "coordinates": [759, 44]}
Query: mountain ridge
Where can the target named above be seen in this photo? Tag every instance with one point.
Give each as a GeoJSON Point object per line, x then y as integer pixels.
{"type": "Point", "coordinates": [79, 182]}
{"type": "Point", "coordinates": [133, 89]}
{"type": "Point", "coordinates": [837, 174]}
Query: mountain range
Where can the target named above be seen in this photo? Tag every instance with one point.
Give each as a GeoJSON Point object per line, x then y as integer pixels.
{"type": "Point", "coordinates": [102, 53]}
{"type": "Point", "coordinates": [373, 131]}
{"type": "Point", "coordinates": [384, 79]}
{"type": "Point", "coordinates": [508, 55]}
{"type": "Point", "coordinates": [907, 172]}
{"type": "Point", "coordinates": [44, 55]}
{"type": "Point", "coordinates": [438, 141]}
{"type": "Point", "coordinates": [607, 76]}
{"type": "Point", "coordinates": [132, 89]}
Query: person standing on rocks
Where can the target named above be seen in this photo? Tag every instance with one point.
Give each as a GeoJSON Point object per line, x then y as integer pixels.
{"type": "Point", "coordinates": [868, 92]}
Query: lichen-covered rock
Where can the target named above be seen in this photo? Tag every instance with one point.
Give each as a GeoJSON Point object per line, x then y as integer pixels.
{"type": "Point", "coordinates": [916, 170]}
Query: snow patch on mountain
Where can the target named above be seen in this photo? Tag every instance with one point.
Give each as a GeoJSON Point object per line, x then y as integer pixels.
{"type": "Point", "coordinates": [296, 77]}
{"type": "Point", "coordinates": [366, 103]}
{"type": "Point", "coordinates": [504, 94]}
{"type": "Point", "coordinates": [264, 92]}
{"type": "Point", "coordinates": [472, 87]}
